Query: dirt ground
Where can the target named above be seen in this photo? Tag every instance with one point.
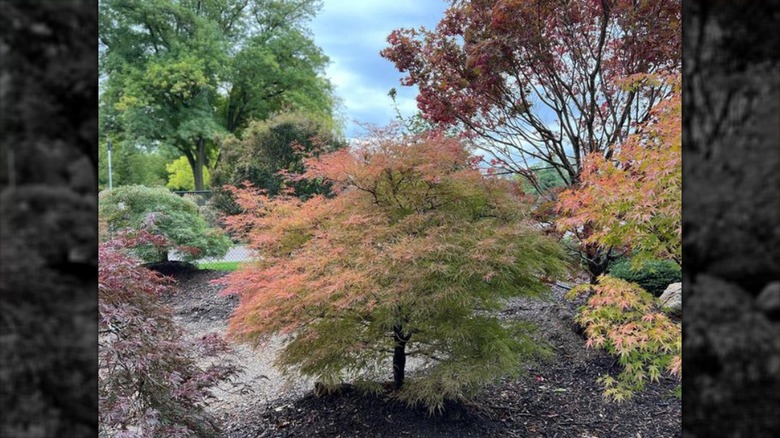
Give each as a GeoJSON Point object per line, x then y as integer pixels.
{"type": "Point", "coordinates": [560, 398]}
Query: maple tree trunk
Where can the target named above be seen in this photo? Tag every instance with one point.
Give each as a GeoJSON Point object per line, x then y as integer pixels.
{"type": "Point", "coordinates": [399, 355]}
{"type": "Point", "coordinates": [597, 259]}
{"type": "Point", "coordinates": [598, 262]}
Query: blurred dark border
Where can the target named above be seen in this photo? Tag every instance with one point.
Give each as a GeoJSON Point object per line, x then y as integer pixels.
{"type": "Point", "coordinates": [48, 275]}
{"type": "Point", "coordinates": [731, 218]}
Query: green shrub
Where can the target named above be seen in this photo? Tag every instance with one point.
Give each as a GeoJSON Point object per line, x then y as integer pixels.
{"type": "Point", "coordinates": [163, 213]}
{"type": "Point", "coordinates": [654, 276]}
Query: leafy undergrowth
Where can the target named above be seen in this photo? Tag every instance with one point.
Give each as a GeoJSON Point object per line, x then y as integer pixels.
{"type": "Point", "coordinates": [559, 398]}
{"type": "Point", "coordinates": [622, 319]}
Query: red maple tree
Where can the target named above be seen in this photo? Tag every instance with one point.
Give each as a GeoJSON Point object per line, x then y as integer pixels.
{"type": "Point", "coordinates": [542, 81]}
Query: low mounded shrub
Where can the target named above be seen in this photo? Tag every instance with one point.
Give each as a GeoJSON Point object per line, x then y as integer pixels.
{"type": "Point", "coordinates": [625, 321]}
{"type": "Point", "coordinates": [162, 213]}
{"type": "Point", "coordinates": [654, 276]}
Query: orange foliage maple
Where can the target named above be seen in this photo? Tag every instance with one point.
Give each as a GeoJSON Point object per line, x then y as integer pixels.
{"type": "Point", "coordinates": [414, 241]}
{"type": "Point", "coordinates": [634, 199]}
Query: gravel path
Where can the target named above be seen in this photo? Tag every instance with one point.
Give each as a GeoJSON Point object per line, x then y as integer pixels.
{"type": "Point", "coordinates": [201, 311]}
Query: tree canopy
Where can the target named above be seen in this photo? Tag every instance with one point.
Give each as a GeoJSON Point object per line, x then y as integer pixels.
{"type": "Point", "coordinates": [541, 81]}
{"type": "Point", "coordinates": [635, 199]}
{"type": "Point", "coordinates": [271, 155]}
{"type": "Point", "coordinates": [181, 72]}
{"type": "Point", "coordinates": [408, 259]}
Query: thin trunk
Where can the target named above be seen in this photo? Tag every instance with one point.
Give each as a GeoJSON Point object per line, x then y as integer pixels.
{"type": "Point", "coordinates": [399, 355]}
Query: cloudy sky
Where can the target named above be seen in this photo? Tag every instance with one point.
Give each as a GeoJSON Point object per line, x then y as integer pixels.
{"type": "Point", "coordinates": [351, 33]}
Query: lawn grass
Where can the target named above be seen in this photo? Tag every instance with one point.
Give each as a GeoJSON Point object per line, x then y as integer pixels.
{"type": "Point", "coordinates": [219, 266]}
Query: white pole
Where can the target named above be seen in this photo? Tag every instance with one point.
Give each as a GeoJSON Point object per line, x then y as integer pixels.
{"type": "Point", "coordinates": [110, 180]}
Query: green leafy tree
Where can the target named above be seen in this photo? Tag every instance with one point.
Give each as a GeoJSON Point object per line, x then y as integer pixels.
{"type": "Point", "coordinates": [134, 164]}
{"type": "Point", "coordinates": [181, 73]}
{"type": "Point", "coordinates": [408, 260]}
{"type": "Point", "coordinates": [180, 175]}
{"type": "Point", "coordinates": [163, 213]}
{"type": "Point", "coordinates": [547, 179]}
{"type": "Point", "coordinates": [267, 148]}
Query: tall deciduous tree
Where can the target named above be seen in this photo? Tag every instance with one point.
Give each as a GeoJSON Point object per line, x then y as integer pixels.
{"type": "Point", "coordinates": [541, 81]}
{"type": "Point", "coordinates": [409, 259]}
{"type": "Point", "coordinates": [179, 73]}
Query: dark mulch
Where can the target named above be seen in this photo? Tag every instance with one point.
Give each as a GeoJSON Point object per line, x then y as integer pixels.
{"type": "Point", "coordinates": [558, 398]}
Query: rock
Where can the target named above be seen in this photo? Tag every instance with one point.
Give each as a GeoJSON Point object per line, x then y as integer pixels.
{"type": "Point", "coordinates": [769, 300]}
{"type": "Point", "coordinates": [671, 299]}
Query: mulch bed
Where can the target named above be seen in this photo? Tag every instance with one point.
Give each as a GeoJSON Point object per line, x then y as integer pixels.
{"type": "Point", "coordinates": [558, 398]}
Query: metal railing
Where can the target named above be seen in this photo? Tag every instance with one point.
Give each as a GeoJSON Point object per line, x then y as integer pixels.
{"type": "Point", "coordinates": [238, 253]}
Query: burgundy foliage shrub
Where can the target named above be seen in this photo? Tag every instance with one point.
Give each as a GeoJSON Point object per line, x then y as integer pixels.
{"type": "Point", "coordinates": [150, 383]}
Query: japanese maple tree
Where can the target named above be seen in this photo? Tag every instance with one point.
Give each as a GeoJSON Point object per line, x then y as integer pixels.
{"type": "Point", "coordinates": [623, 319]}
{"type": "Point", "coordinates": [149, 380]}
{"type": "Point", "coordinates": [409, 260]}
{"type": "Point", "coordinates": [543, 82]}
{"type": "Point", "coordinates": [634, 199]}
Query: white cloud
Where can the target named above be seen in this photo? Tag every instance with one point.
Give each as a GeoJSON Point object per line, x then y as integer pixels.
{"type": "Point", "coordinates": [352, 33]}
{"type": "Point", "coordinates": [381, 8]}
